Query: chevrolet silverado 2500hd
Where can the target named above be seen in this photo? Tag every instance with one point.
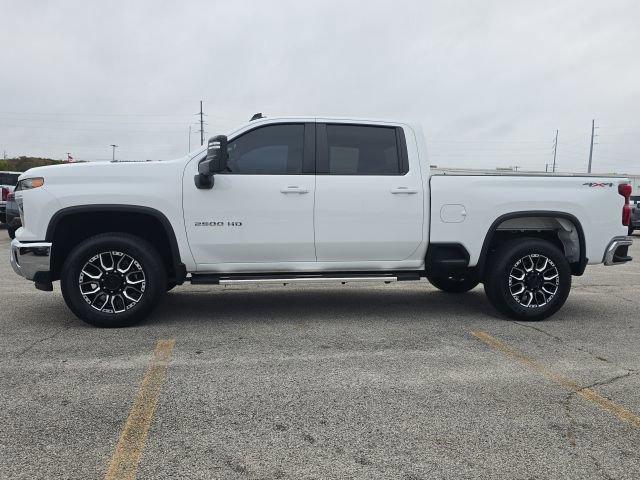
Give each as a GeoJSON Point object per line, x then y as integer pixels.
{"type": "Point", "coordinates": [309, 200]}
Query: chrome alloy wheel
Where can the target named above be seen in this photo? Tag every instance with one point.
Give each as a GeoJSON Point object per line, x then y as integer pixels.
{"type": "Point", "coordinates": [533, 281]}
{"type": "Point", "coordinates": [112, 282]}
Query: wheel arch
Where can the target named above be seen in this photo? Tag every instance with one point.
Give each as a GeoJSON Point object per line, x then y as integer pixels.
{"type": "Point", "coordinates": [134, 219]}
{"type": "Point", "coordinates": [577, 267]}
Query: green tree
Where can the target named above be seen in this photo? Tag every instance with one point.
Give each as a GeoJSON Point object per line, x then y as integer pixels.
{"type": "Point", "coordinates": [23, 163]}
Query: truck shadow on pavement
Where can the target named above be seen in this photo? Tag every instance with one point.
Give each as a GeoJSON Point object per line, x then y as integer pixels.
{"type": "Point", "coordinates": [277, 305]}
{"type": "Point", "coordinates": [288, 305]}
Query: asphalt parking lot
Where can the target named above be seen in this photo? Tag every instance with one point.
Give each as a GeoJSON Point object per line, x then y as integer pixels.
{"type": "Point", "coordinates": [389, 381]}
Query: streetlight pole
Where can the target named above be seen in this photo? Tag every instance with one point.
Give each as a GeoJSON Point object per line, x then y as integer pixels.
{"type": "Point", "coordinates": [113, 157]}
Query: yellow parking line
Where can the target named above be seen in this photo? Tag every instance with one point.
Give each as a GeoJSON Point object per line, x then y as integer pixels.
{"type": "Point", "coordinates": [125, 459]}
{"type": "Point", "coordinates": [586, 393]}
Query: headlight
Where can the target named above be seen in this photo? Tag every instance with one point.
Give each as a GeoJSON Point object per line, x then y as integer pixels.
{"type": "Point", "coordinates": [30, 183]}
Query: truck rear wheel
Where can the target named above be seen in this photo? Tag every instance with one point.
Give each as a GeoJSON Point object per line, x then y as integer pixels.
{"type": "Point", "coordinates": [113, 280]}
{"type": "Point", "coordinates": [454, 284]}
{"type": "Point", "coordinates": [528, 279]}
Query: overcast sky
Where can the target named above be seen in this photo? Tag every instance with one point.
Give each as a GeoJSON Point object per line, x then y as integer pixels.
{"type": "Point", "coordinates": [489, 81]}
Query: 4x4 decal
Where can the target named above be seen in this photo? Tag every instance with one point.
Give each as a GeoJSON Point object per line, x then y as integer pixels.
{"type": "Point", "coordinates": [598, 184]}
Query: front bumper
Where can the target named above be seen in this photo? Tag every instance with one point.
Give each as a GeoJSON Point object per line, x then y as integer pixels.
{"type": "Point", "coordinates": [618, 251]}
{"type": "Point", "coordinates": [31, 260]}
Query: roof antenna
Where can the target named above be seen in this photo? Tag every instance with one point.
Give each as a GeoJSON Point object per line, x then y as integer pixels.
{"type": "Point", "coordinates": [256, 116]}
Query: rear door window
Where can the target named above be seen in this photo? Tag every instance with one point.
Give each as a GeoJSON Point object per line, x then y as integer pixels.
{"type": "Point", "coordinates": [362, 150]}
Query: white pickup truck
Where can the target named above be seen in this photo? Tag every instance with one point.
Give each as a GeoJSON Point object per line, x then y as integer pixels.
{"type": "Point", "coordinates": [308, 200]}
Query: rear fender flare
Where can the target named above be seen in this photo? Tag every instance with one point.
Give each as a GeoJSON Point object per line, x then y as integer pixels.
{"type": "Point", "coordinates": [576, 269]}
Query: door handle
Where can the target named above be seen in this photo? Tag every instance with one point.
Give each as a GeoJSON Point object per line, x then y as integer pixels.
{"type": "Point", "coordinates": [407, 190]}
{"type": "Point", "coordinates": [294, 189]}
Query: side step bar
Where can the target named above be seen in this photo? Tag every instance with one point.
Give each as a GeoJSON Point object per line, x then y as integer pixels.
{"type": "Point", "coordinates": [285, 279]}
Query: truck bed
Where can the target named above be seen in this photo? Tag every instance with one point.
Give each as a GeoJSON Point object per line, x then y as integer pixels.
{"type": "Point", "coordinates": [465, 205]}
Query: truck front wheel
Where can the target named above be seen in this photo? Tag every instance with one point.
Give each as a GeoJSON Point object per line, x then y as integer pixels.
{"type": "Point", "coordinates": [528, 279]}
{"type": "Point", "coordinates": [113, 280]}
{"type": "Point", "coordinates": [454, 284]}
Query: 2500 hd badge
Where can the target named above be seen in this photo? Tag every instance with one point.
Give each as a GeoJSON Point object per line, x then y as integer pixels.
{"type": "Point", "coordinates": [218, 224]}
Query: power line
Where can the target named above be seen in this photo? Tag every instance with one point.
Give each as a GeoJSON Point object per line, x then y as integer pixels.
{"type": "Point", "coordinates": [96, 129]}
{"type": "Point", "coordinates": [93, 114]}
{"type": "Point", "coordinates": [487, 141]}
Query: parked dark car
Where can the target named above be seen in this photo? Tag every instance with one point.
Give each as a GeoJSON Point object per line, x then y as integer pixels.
{"type": "Point", "coordinates": [12, 215]}
{"type": "Point", "coordinates": [635, 214]}
{"type": "Point", "coordinates": [8, 181]}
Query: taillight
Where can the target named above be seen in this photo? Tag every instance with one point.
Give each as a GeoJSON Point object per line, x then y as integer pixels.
{"type": "Point", "coordinates": [5, 194]}
{"type": "Point", "coordinates": [11, 197]}
{"type": "Point", "coordinates": [625, 190]}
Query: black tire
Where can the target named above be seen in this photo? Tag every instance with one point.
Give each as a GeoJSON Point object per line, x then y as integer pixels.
{"type": "Point", "coordinates": [454, 284]}
{"type": "Point", "coordinates": [147, 283]}
{"type": "Point", "coordinates": [631, 230]}
{"type": "Point", "coordinates": [171, 286]}
{"type": "Point", "coordinates": [543, 293]}
{"type": "Point", "coordinates": [11, 231]}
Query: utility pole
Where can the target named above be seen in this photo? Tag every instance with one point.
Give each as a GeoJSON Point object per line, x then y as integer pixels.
{"type": "Point", "coordinates": [113, 157]}
{"type": "Point", "coordinates": [593, 129]}
{"type": "Point", "coordinates": [555, 152]}
{"type": "Point", "coordinates": [201, 125]}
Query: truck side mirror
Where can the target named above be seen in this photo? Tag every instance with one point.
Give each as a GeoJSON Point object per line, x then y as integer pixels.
{"type": "Point", "coordinates": [215, 161]}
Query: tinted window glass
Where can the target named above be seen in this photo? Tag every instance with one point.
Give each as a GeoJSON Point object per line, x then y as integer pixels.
{"type": "Point", "coordinates": [272, 150]}
{"type": "Point", "coordinates": [362, 150]}
{"type": "Point", "coordinates": [9, 178]}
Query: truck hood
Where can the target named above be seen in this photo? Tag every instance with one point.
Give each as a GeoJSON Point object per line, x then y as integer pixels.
{"type": "Point", "coordinates": [99, 171]}
{"type": "Point", "coordinates": [59, 170]}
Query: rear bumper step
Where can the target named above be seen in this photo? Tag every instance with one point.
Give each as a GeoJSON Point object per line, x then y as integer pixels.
{"type": "Point", "coordinates": [617, 251]}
